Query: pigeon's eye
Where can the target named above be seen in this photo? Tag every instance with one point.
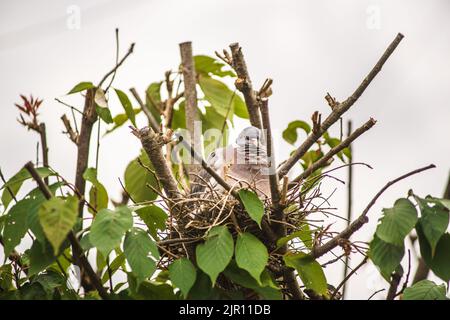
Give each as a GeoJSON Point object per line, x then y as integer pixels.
{"type": "Point", "coordinates": [213, 154]}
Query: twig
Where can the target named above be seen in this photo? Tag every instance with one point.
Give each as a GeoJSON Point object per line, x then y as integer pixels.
{"type": "Point", "coordinates": [151, 119]}
{"type": "Point", "coordinates": [152, 144]}
{"type": "Point", "coordinates": [348, 276]}
{"type": "Point", "coordinates": [362, 219]}
{"type": "Point", "coordinates": [273, 177]}
{"type": "Point", "coordinates": [375, 293]}
{"type": "Point", "coordinates": [344, 144]}
{"type": "Point", "coordinates": [396, 277]}
{"type": "Point", "coordinates": [339, 110]}
{"type": "Point", "coordinates": [71, 236]}
{"type": "Point", "coordinates": [130, 51]}
{"type": "Point", "coordinates": [70, 132]}
{"type": "Point", "coordinates": [349, 201]}
{"type": "Point", "coordinates": [244, 84]}
{"type": "Point", "coordinates": [408, 273]}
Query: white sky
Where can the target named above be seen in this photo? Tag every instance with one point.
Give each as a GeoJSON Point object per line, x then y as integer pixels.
{"type": "Point", "coordinates": [307, 47]}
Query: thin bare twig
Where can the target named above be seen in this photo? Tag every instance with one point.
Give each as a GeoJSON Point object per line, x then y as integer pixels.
{"type": "Point", "coordinates": [362, 219]}
{"type": "Point", "coordinates": [339, 110]}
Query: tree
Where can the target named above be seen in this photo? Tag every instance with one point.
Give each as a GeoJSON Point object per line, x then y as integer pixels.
{"type": "Point", "coordinates": [172, 243]}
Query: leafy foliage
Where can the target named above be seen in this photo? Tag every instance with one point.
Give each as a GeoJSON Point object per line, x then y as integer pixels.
{"type": "Point", "coordinates": [251, 255]}
{"type": "Point", "coordinates": [222, 254]}
{"type": "Point", "coordinates": [183, 274]}
{"type": "Point", "coordinates": [57, 217]}
{"type": "Point", "coordinates": [309, 270]}
{"type": "Point", "coordinates": [425, 290]}
{"type": "Point", "coordinates": [252, 204]}
{"type": "Point", "coordinates": [109, 227]}
{"type": "Point", "coordinates": [215, 254]}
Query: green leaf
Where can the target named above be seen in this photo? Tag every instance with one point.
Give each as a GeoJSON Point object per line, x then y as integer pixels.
{"type": "Point", "coordinates": [98, 196]}
{"type": "Point", "coordinates": [41, 256]}
{"type": "Point", "coordinates": [150, 290]}
{"type": "Point", "coordinates": [16, 225]}
{"type": "Point", "coordinates": [310, 157]}
{"type": "Point", "coordinates": [267, 289]}
{"type": "Point", "coordinates": [14, 184]}
{"type": "Point", "coordinates": [154, 217]}
{"type": "Point", "coordinates": [137, 178]}
{"type": "Point", "coordinates": [214, 255]}
{"type": "Point", "coordinates": [290, 133]}
{"type": "Point", "coordinates": [57, 217]}
{"type": "Point", "coordinates": [118, 262]}
{"type": "Point", "coordinates": [109, 227]}
{"type": "Point", "coordinates": [104, 114]}
{"type": "Point", "coordinates": [439, 263]}
{"type": "Point", "coordinates": [85, 242]}
{"type": "Point", "coordinates": [425, 290]}
{"type": "Point", "coordinates": [304, 234]}
{"type": "Point", "coordinates": [253, 205]}
{"type": "Point", "coordinates": [385, 256]}
{"type": "Point", "coordinates": [434, 221]}
{"type": "Point", "coordinates": [81, 87]}
{"type": "Point", "coordinates": [33, 211]}
{"type": "Point", "coordinates": [251, 255]}
{"type": "Point", "coordinates": [210, 66]}
{"type": "Point", "coordinates": [153, 98]}
{"type": "Point", "coordinates": [6, 277]}
{"type": "Point", "coordinates": [183, 274]}
{"type": "Point", "coordinates": [222, 98]}
{"type": "Point", "coordinates": [309, 270]}
{"type": "Point", "coordinates": [126, 104]}
{"type": "Point", "coordinates": [141, 252]}
{"type": "Point", "coordinates": [397, 222]}
{"type": "Point", "coordinates": [119, 120]}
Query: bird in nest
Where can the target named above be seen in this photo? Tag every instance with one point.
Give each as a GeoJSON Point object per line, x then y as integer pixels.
{"type": "Point", "coordinates": [243, 162]}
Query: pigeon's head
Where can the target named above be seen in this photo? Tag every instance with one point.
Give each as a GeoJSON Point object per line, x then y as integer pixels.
{"type": "Point", "coordinates": [249, 136]}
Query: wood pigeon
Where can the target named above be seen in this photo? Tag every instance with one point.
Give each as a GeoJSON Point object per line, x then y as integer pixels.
{"type": "Point", "coordinates": [244, 162]}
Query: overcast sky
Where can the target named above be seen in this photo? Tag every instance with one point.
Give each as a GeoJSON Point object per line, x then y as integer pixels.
{"type": "Point", "coordinates": [307, 47]}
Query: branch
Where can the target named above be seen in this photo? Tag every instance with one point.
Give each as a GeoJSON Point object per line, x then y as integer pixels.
{"type": "Point", "coordinates": [71, 236]}
{"type": "Point", "coordinates": [338, 110]}
{"type": "Point", "coordinates": [152, 143]}
{"type": "Point", "coordinates": [130, 51]}
{"type": "Point", "coordinates": [190, 96]}
{"type": "Point", "coordinates": [70, 132]}
{"type": "Point", "coordinates": [84, 139]}
{"type": "Point", "coordinates": [344, 281]}
{"type": "Point", "coordinates": [273, 177]}
{"type": "Point", "coordinates": [396, 277]}
{"type": "Point", "coordinates": [44, 146]}
{"type": "Point", "coordinates": [344, 144]}
{"type": "Point", "coordinates": [151, 119]}
{"type": "Point", "coordinates": [244, 84]}
{"type": "Point", "coordinates": [362, 219]}
{"type": "Point", "coordinates": [349, 202]}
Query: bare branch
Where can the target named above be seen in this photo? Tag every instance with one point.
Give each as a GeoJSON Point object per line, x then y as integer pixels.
{"type": "Point", "coordinates": [151, 119]}
{"type": "Point", "coordinates": [190, 96]}
{"type": "Point", "coordinates": [338, 110]}
{"type": "Point", "coordinates": [70, 132]}
{"type": "Point", "coordinates": [244, 84]}
{"type": "Point", "coordinates": [341, 146]}
{"type": "Point", "coordinates": [362, 219]}
{"type": "Point", "coordinates": [152, 143]}
{"type": "Point", "coordinates": [130, 51]}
